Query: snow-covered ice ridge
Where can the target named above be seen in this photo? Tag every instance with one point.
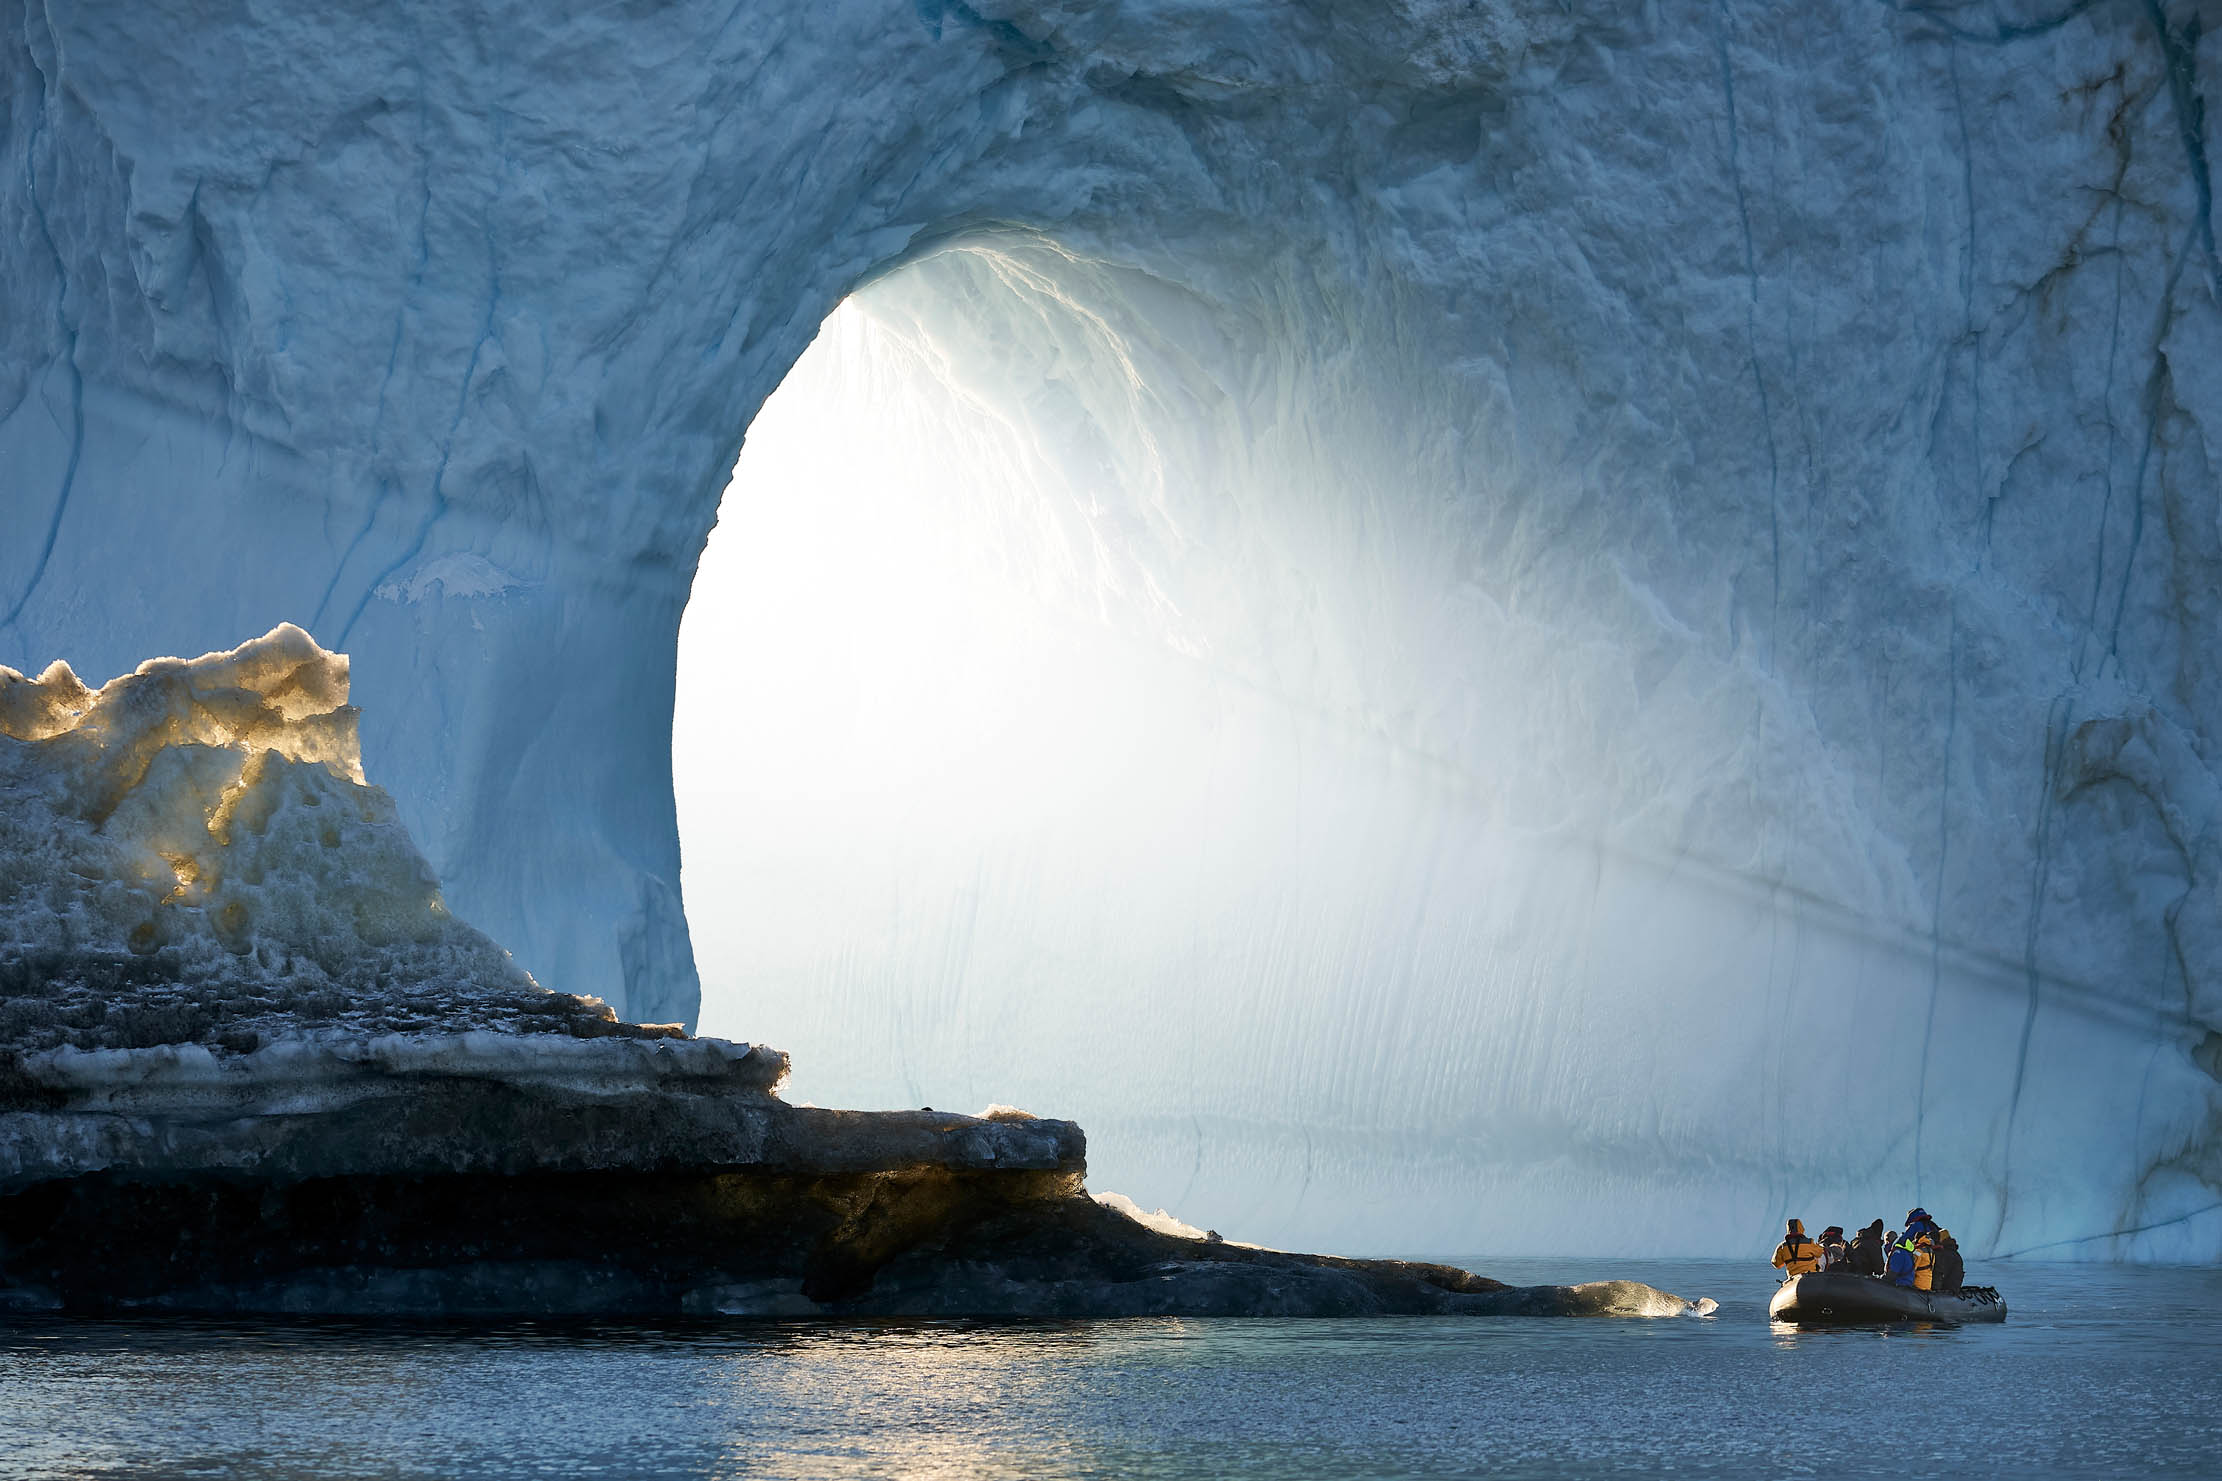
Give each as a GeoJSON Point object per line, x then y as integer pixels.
{"type": "Point", "coordinates": [190, 854]}
{"type": "Point", "coordinates": [1788, 434]}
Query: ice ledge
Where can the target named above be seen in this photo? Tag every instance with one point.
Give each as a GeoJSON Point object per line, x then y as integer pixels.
{"type": "Point", "coordinates": [426, 1104]}
{"type": "Point", "coordinates": [478, 1173]}
{"type": "Point", "coordinates": [173, 1077]}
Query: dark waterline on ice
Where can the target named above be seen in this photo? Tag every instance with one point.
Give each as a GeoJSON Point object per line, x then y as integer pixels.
{"type": "Point", "coordinates": [2098, 1371]}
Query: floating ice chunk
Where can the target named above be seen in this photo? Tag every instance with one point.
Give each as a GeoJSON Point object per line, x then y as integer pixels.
{"type": "Point", "coordinates": [1630, 1298]}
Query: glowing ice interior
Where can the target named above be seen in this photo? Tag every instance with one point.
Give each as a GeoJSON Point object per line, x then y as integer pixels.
{"type": "Point", "coordinates": [1076, 707]}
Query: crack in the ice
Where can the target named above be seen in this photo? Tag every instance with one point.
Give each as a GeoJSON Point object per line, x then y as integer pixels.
{"type": "Point", "coordinates": [62, 495]}
{"type": "Point", "coordinates": [2118, 130]}
{"type": "Point", "coordinates": [377, 424]}
{"type": "Point", "coordinates": [2113, 435]}
{"type": "Point", "coordinates": [486, 333]}
{"type": "Point", "coordinates": [1785, 1088]}
{"type": "Point", "coordinates": [417, 271]}
{"type": "Point", "coordinates": [1936, 906]}
{"type": "Point", "coordinates": [439, 474]}
{"type": "Point", "coordinates": [69, 358]}
{"type": "Point", "coordinates": [1973, 335]}
{"type": "Point", "coordinates": [2156, 401]}
{"type": "Point", "coordinates": [2189, 850]}
{"type": "Point", "coordinates": [2181, 966]}
{"type": "Point", "coordinates": [2180, 53]}
{"type": "Point", "coordinates": [2061, 1244]}
{"type": "Point", "coordinates": [1751, 330]}
{"type": "Point", "coordinates": [2057, 716]}
{"type": "Point", "coordinates": [2001, 34]}
{"type": "Point", "coordinates": [1813, 474]}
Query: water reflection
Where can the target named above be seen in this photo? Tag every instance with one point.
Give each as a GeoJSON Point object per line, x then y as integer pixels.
{"type": "Point", "coordinates": [1789, 1334]}
{"type": "Point", "coordinates": [2097, 1371]}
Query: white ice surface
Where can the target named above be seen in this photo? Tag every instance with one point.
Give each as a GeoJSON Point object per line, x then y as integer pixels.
{"type": "Point", "coordinates": [1158, 1219]}
{"type": "Point", "coordinates": [1741, 481]}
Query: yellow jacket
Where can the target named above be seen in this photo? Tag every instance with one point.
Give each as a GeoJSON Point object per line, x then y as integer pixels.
{"type": "Point", "coordinates": [1797, 1255]}
{"type": "Point", "coordinates": [1924, 1264]}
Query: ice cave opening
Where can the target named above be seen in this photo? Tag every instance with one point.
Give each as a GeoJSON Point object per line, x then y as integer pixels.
{"type": "Point", "coordinates": [1170, 707]}
{"type": "Point", "coordinates": [1023, 746]}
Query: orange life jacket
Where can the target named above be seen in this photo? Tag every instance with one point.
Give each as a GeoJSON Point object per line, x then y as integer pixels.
{"type": "Point", "coordinates": [1797, 1255]}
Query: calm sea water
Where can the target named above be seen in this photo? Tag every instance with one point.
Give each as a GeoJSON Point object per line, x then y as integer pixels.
{"type": "Point", "coordinates": [2098, 1371]}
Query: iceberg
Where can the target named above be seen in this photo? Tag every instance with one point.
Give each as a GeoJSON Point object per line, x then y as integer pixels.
{"type": "Point", "coordinates": [1741, 485]}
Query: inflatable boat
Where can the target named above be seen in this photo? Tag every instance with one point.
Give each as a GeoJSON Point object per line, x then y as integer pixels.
{"type": "Point", "coordinates": [1835, 1299]}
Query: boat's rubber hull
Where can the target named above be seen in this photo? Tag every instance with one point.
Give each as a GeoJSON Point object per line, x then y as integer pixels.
{"type": "Point", "coordinates": [1833, 1300]}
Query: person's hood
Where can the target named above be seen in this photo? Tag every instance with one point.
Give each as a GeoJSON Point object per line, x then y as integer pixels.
{"type": "Point", "coordinates": [1797, 1227]}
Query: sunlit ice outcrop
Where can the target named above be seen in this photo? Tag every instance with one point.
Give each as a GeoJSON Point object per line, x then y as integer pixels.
{"type": "Point", "coordinates": [190, 854]}
{"type": "Point", "coordinates": [1186, 706]}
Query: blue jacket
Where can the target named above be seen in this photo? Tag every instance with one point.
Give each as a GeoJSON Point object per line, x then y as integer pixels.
{"type": "Point", "coordinates": [1901, 1265]}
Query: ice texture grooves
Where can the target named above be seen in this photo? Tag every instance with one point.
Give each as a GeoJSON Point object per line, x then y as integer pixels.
{"type": "Point", "coordinates": [1762, 458]}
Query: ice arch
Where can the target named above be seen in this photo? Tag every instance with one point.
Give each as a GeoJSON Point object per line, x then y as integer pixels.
{"type": "Point", "coordinates": [1831, 390]}
{"type": "Point", "coordinates": [1329, 852]}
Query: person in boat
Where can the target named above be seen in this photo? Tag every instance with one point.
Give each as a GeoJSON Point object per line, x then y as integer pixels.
{"type": "Point", "coordinates": [1912, 1264]}
{"type": "Point", "coordinates": [1919, 1223]}
{"type": "Point", "coordinates": [1797, 1255]}
{"type": "Point", "coordinates": [1867, 1255]}
{"type": "Point", "coordinates": [1898, 1264]}
{"type": "Point", "coordinates": [1951, 1270]}
{"type": "Point", "coordinates": [1834, 1252]}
